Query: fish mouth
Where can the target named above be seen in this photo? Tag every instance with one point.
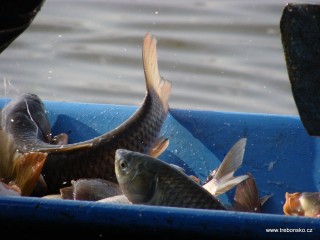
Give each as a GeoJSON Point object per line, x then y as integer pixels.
{"type": "Point", "coordinates": [292, 205]}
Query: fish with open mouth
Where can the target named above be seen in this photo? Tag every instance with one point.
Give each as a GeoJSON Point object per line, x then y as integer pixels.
{"type": "Point", "coordinates": [302, 204]}
{"type": "Point", "coordinates": [26, 120]}
{"type": "Point", "coordinates": [147, 180]}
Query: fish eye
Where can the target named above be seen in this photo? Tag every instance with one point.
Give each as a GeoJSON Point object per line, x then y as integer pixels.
{"type": "Point", "coordinates": [123, 165]}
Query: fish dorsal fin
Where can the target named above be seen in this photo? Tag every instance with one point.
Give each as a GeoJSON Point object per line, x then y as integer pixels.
{"type": "Point", "coordinates": [223, 179]}
{"type": "Point", "coordinates": [154, 81]}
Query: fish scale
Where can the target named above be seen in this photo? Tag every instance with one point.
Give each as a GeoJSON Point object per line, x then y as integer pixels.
{"type": "Point", "coordinates": [150, 181]}
{"type": "Point", "coordinates": [93, 158]}
{"type": "Point", "coordinates": [180, 191]}
{"type": "Point", "coordinates": [97, 161]}
{"type": "Point", "coordinates": [138, 133]}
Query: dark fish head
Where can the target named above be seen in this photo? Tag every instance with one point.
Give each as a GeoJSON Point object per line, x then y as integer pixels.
{"type": "Point", "coordinates": [136, 178]}
{"type": "Point", "coordinates": [26, 113]}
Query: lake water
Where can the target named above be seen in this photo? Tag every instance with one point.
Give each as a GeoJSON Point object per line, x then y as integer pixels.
{"type": "Point", "coordinates": [219, 55]}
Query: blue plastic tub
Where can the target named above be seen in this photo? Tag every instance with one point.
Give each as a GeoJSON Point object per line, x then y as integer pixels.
{"type": "Point", "coordinates": [280, 154]}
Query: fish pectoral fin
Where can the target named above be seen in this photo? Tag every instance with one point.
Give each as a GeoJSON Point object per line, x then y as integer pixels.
{"type": "Point", "coordinates": [67, 192]}
{"type": "Point", "coordinates": [194, 178]}
{"type": "Point", "coordinates": [159, 147]}
{"type": "Point", "coordinates": [264, 199]}
{"type": "Point", "coordinates": [155, 195]}
{"type": "Point", "coordinates": [136, 173]}
{"type": "Point", "coordinates": [60, 139]}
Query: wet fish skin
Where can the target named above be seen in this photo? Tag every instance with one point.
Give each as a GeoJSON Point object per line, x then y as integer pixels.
{"type": "Point", "coordinates": [95, 158]}
{"type": "Point", "coordinates": [9, 190]}
{"type": "Point", "coordinates": [302, 204]}
{"type": "Point", "coordinates": [26, 119]}
{"type": "Point", "coordinates": [90, 190]}
{"type": "Point", "coordinates": [118, 199]}
{"type": "Point", "coordinates": [150, 181]}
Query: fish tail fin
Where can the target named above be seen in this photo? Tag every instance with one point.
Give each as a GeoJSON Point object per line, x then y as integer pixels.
{"type": "Point", "coordinates": [223, 179]}
{"type": "Point", "coordinates": [154, 81]}
{"type": "Point", "coordinates": [22, 170]}
{"type": "Point", "coordinates": [27, 169]}
{"type": "Point", "coordinates": [7, 153]}
{"type": "Point", "coordinates": [226, 185]}
{"type": "Point", "coordinates": [246, 198]}
{"type": "Point", "coordinates": [233, 159]}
